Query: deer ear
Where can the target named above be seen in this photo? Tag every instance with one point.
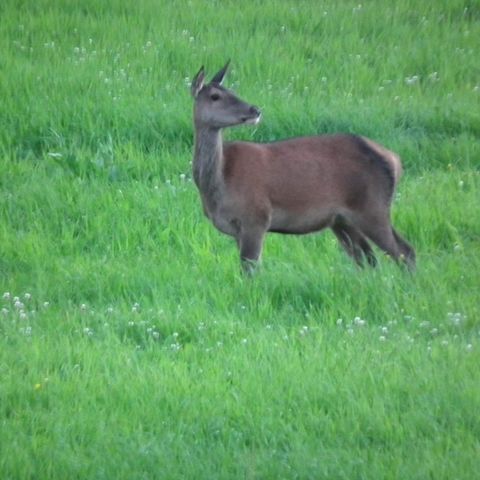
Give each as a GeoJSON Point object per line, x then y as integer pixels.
{"type": "Point", "coordinates": [220, 75]}
{"type": "Point", "coordinates": [198, 82]}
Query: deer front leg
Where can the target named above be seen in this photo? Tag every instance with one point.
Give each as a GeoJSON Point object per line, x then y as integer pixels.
{"type": "Point", "coordinates": [250, 242]}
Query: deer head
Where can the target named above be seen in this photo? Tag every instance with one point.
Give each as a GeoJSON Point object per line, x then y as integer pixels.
{"type": "Point", "coordinates": [217, 107]}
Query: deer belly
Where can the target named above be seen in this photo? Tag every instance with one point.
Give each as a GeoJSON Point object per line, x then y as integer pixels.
{"type": "Point", "coordinates": [311, 220]}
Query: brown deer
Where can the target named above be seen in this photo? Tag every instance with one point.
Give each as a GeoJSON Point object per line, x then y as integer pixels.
{"type": "Point", "coordinates": [296, 186]}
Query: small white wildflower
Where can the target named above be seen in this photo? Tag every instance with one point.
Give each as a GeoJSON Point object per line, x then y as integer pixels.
{"type": "Point", "coordinates": [27, 296]}
{"type": "Point", "coordinates": [359, 321]}
{"type": "Point", "coordinates": [23, 315]}
{"type": "Point", "coordinates": [4, 311]}
{"type": "Point", "coordinates": [219, 344]}
{"type": "Point", "coordinates": [434, 331]}
{"type": "Point", "coordinates": [6, 296]}
{"type": "Point", "coordinates": [411, 80]}
{"type": "Point", "coordinates": [244, 341]}
{"type": "Point", "coordinates": [339, 321]}
{"type": "Point", "coordinates": [155, 334]}
{"type": "Point", "coordinates": [83, 306]}
{"type": "Point", "coordinates": [88, 331]}
{"type": "Point", "coordinates": [18, 304]}
{"type": "Point", "coordinates": [149, 330]}
{"type": "Point", "coordinates": [461, 183]}
{"type": "Point", "coordinates": [350, 331]}
{"type": "Point", "coordinates": [131, 323]}
{"type": "Point", "coordinates": [444, 343]}
{"type": "Point", "coordinates": [469, 346]}
{"type": "Point", "coordinates": [148, 44]}
{"type": "Point", "coordinates": [182, 177]}
{"type": "Point", "coordinates": [424, 324]}
{"type": "Point", "coordinates": [175, 334]}
{"type": "Point", "coordinates": [384, 329]}
{"type": "Point", "coordinates": [268, 327]}
{"type": "Point", "coordinates": [16, 299]}
{"type": "Point", "coordinates": [46, 304]}
{"type": "Point", "coordinates": [110, 310]}
{"type": "Point", "coordinates": [382, 338]}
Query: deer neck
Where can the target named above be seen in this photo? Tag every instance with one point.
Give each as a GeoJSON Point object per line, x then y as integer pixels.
{"type": "Point", "coordinates": [208, 164]}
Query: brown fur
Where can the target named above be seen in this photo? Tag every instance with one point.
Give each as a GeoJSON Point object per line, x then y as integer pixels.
{"type": "Point", "coordinates": [295, 186]}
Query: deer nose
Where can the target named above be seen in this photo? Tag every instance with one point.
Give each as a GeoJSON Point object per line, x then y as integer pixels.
{"type": "Point", "coordinates": [255, 111]}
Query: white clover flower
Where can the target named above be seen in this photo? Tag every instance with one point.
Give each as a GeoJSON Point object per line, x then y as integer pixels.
{"type": "Point", "coordinates": [444, 343]}
{"type": "Point", "coordinates": [434, 331]}
{"type": "Point", "coordinates": [382, 338]}
{"type": "Point", "coordinates": [131, 323]}
{"type": "Point", "coordinates": [469, 347]}
{"type": "Point", "coordinates": [27, 296]}
{"type": "Point", "coordinates": [411, 80]}
{"type": "Point", "coordinates": [6, 296]}
{"type": "Point", "coordinates": [359, 321]}
{"type": "Point", "coordinates": [244, 341]}
{"type": "Point", "coordinates": [384, 329]}
{"type": "Point", "coordinates": [23, 315]}
{"type": "Point", "coordinates": [19, 305]}
{"type": "Point", "coordinates": [339, 321]}
{"type": "Point", "coordinates": [4, 311]}
{"type": "Point", "coordinates": [155, 334]}
{"type": "Point", "coordinates": [83, 306]}
{"type": "Point", "coordinates": [46, 304]}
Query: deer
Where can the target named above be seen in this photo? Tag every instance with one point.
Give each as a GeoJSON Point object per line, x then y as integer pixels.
{"type": "Point", "coordinates": [300, 185]}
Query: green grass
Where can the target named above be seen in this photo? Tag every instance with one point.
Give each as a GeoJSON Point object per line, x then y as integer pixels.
{"type": "Point", "coordinates": [136, 349]}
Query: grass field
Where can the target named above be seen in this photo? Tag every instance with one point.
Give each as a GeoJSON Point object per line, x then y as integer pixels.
{"type": "Point", "coordinates": [131, 347]}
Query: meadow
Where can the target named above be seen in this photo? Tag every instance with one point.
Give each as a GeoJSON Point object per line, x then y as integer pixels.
{"type": "Point", "coordinates": [132, 347]}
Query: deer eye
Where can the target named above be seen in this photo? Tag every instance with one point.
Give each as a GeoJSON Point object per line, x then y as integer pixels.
{"type": "Point", "coordinates": [214, 96]}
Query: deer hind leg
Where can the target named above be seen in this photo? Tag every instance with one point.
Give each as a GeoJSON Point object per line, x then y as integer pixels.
{"type": "Point", "coordinates": [354, 243]}
{"type": "Point", "coordinates": [407, 251]}
{"type": "Point", "coordinates": [378, 229]}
